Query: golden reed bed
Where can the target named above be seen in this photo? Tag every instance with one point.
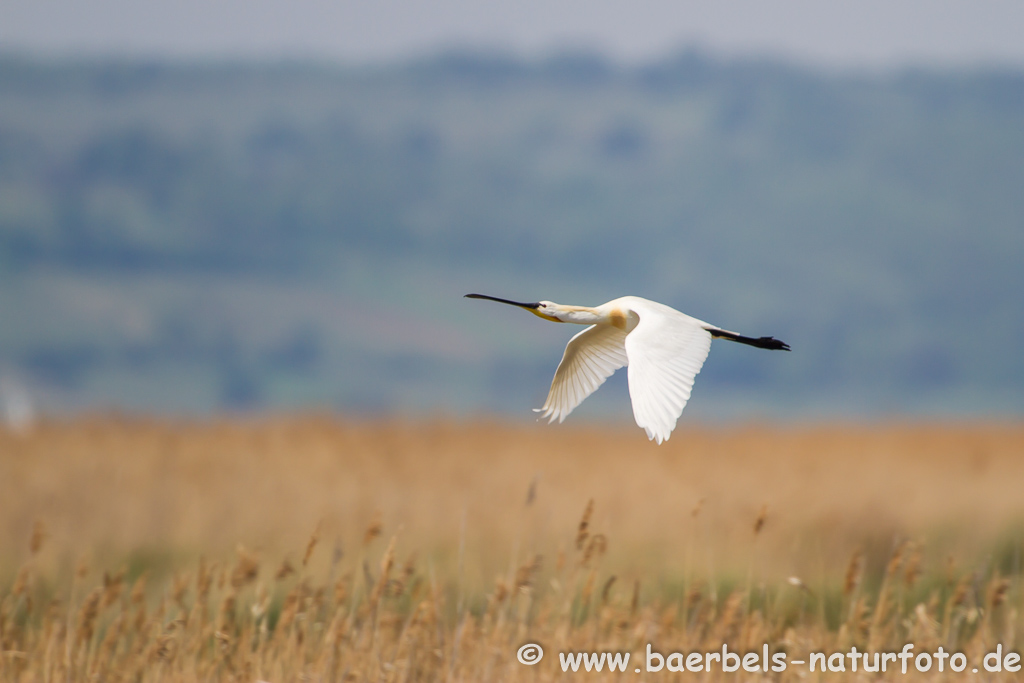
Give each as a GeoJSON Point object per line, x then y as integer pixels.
{"type": "Point", "coordinates": [306, 548]}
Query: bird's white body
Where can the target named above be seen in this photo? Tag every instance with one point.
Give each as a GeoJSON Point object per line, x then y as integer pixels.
{"type": "Point", "coordinates": [662, 348]}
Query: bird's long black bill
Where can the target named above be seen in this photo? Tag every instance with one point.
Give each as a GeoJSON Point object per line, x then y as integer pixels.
{"type": "Point", "coordinates": [503, 301]}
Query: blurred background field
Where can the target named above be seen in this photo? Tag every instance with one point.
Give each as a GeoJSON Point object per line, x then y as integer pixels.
{"type": "Point", "coordinates": [155, 494]}
{"type": "Point", "coordinates": [285, 547]}
{"type": "Point", "coordinates": [186, 238]}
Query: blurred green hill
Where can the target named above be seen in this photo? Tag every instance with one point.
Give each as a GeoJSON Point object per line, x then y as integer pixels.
{"type": "Point", "coordinates": [196, 237]}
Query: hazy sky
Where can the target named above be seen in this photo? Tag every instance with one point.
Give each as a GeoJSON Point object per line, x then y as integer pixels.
{"type": "Point", "coordinates": [855, 33]}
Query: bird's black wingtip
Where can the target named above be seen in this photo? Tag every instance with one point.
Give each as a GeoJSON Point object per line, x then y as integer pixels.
{"type": "Point", "coordinates": [760, 342]}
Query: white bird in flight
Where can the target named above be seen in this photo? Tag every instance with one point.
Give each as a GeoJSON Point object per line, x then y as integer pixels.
{"type": "Point", "coordinates": [663, 348]}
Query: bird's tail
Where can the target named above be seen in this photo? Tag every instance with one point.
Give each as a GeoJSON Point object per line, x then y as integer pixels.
{"type": "Point", "coordinates": [759, 342]}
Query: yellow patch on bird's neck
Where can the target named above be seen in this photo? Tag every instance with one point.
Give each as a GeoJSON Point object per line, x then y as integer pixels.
{"type": "Point", "coordinates": [618, 319]}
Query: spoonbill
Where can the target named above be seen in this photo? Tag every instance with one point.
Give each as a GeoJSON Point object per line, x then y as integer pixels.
{"type": "Point", "coordinates": [664, 349]}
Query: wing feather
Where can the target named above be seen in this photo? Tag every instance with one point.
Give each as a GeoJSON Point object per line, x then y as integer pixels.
{"type": "Point", "coordinates": [591, 357]}
{"type": "Point", "coordinates": [665, 352]}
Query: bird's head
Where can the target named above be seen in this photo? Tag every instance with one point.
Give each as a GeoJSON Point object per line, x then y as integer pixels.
{"type": "Point", "coordinates": [548, 310]}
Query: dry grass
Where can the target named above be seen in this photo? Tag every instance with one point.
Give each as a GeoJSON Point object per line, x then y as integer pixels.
{"type": "Point", "coordinates": [402, 551]}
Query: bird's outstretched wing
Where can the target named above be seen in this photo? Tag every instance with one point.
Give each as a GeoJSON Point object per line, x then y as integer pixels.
{"type": "Point", "coordinates": [591, 357]}
{"type": "Point", "coordinates": [665, 352]}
